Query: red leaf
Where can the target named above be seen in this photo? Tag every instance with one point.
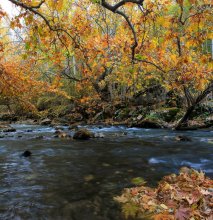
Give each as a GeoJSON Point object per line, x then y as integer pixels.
{"type": "Point", "coordinates": [182, 213]}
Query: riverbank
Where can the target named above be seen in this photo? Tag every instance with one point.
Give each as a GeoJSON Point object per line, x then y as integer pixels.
{"type": "Point", "coordinates": [112, 114]}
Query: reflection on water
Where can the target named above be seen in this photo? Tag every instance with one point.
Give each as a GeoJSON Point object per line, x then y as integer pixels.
{"type": "Point", "coordinates": [67, 179]}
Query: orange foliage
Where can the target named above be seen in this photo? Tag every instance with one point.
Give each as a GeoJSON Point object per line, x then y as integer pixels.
{"type": "Point", "coordinates": [170, 35]}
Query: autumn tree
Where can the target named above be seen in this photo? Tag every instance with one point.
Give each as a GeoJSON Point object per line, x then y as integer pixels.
{"type": "Point", "coordinates": [99, 44]}
{"type": "Point", "coordinates": [171, 43]}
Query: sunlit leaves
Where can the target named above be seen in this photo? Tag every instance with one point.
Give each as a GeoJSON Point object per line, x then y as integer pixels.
{"type": "Point", "coordinates": [169, 42]}
{"type": "Point", "coordinates": [57, 4]}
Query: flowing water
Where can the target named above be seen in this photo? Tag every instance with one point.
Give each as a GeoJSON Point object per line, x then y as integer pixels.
{"type": "Point", "coordinates": [76, 180]}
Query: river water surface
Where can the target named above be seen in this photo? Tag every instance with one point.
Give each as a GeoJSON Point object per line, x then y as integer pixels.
{"type": "Point", "coordinates": [76, 180]}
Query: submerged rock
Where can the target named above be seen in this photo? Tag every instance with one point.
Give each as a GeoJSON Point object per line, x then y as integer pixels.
{"type": "Point", "coordinates": [40, 137]}
{"type": "Point", "coordinates": [182, 138]}
{"type": "Point", "coordinates": [61, 134]}
{"type": "Point", "coordinates": [83, 134]}
{"type": "Point", "coordinates": [26, 153]}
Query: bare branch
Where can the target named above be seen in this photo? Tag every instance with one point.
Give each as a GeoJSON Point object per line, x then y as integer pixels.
{"type": "Point", "coordinates": [113, 8]}
{"type": "Point", "coordinates": [151, 63]}
{"type": "Point", "coordinates": [135, 44]}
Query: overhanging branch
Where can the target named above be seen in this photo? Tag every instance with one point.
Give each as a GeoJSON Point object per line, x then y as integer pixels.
{"type": "Point", "coordinates": [34, 11]}
{"type": "Point", "coordinates": [114, 9]}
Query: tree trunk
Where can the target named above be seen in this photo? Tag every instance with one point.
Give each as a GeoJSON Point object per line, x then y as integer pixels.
{"type": "Point", "coordinates": [183, 122]}
{"type": "Point", "coordinates": [104, 93]}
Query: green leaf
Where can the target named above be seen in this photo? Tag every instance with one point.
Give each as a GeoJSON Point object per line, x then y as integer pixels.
{"type": "Point", "coordinates": [130, 210]}
{"type": "Point", "coordinates": [140, 57]}
{"type": "Point", "coordinates": [138, 181]}
{"type": "Point", "coordinates": [96, 1]}
{"type": "Point", "coordinates": [27, 45]}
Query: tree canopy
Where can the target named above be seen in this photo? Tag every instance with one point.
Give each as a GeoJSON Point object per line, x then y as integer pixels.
{"type": "Point", "coordinates": [107, 48]}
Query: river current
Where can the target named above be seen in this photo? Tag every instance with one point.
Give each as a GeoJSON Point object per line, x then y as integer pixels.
{"type": "Point", "coordinates": [76, 180]}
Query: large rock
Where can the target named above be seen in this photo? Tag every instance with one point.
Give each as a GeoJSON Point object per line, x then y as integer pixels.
{"type": "Point", "coordinates": [182, 138]}
{"type": "Point", "coordinates": [26, 153]}
{"type": "Point", "coordinates": [10, 129]}
{"type": "Point", "coordinates": [3, 126]}
{"type": "Point", "coordinates": [147, 123]}
{"type": "Point", "coordinates": [46, 121]}
{"type": "Point", "coordinates": [83, 134]}
{"type": "Point", "coordinates": [6, 128]}
{"type": "Point", "coordinates": [209, 122]}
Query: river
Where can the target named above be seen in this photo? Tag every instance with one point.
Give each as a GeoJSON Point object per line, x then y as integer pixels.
{"type": "Point", "coordinates": [76, 180]}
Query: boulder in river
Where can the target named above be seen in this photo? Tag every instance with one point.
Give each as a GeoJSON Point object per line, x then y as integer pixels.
{"type": "Point", "coordinates": [9, 129]}
{"type": "Point", "coordinates": [83, 134]}
{"type": "Point", "coordinates": [182, 138]}
{"type": "Point", "coordinates": [26, 153]}
{"type": "Point", "coordinates": [46, 121]}
{"type": "Point", "coordinates": [6, 128]}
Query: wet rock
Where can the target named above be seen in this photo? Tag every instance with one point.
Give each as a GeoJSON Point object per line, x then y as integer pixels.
{"type": "Point", "coordinates": [89, 177]}
{"type": "Point", "coordinates": [26, 153]}
{"type": "Point", "coordinates": [209, 122]}
{"type": "Point", "coordinates": [61, 134]}
{"type": "Point", "coordinates": [147, 123]}
{"type": "Point", "coordinates": [182, 138]}
{"type": "Point", "coordinates": [59, 128]}
{"type": "Point", "coordinates": [139, 117]}
{"type": "Point", "coordinates": [83, 134]}
{"type": "Point", "coordinates": [4, 126]}
{"type": "Point", "coordinates": [9, 129]}
{"type": "Point", "coordinates": [74, 126]}
{"type": "Point", "coordinates": [105, 164]}
{"type": "Point", "coordinates": [46, 121]}
{"type": "Point", "coordinates": [58, 131]}
{"type": "Point", "coordinates": [121, 134]}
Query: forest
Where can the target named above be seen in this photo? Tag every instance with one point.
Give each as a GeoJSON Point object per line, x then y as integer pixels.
{"type": "Point", "coordinates": [131, 77]}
